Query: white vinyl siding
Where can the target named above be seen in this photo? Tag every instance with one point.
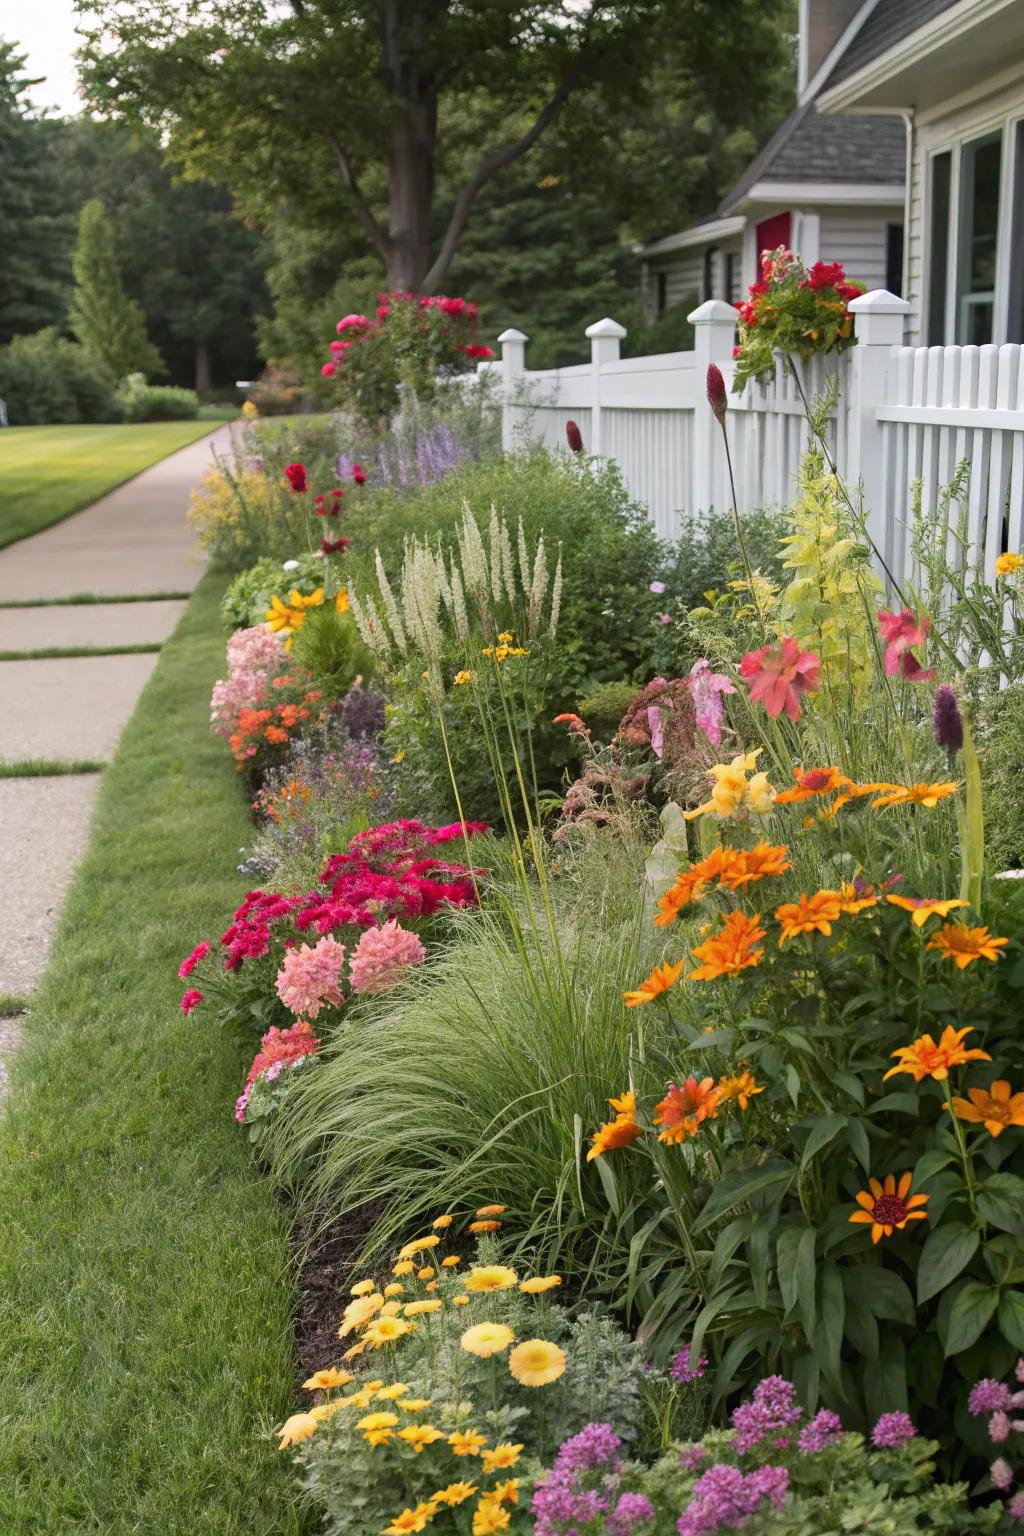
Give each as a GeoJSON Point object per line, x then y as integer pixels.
{"type": "Point", "coordinates": [857, 238]}
{"type": "Point", "coordinates": [684, 272]}
{"type": "Point", "coordinates": [948, 130]}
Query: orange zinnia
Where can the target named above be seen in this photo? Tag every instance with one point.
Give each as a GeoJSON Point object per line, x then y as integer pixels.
{"type": "Point", "coordinates": [689, 886]}
{"type": "Point", "coordinates": [994, 1107]}
{"type": "Point", "coordinates": [811, 914]}
{"type": "Point", "coordinates": [731, 950]}
{"type": "Point", "coordinates": [742, 1088]}
{"type": "Point", "coordinates": [741, 866]}
{"type": "Point", "coordinates": [889, 1206]}
{"type": "Point", "coordinates": [964, 945]}
{"type": "Point", "coordinates": [660, 980]}
{"type": "Point", "coordinates": [913, 794]}
{"type": "Point", "coordinates": [817, 781]}
{"type": "Point", "coordinates": [684, 1109]}
{"type": "Point", "coordinates": [923, 1058]}
{"type": "Point", "coordinates": [616, 1133]}
{"type": "Point", "coordinates": [856, 898]}
{"type": "Point", "coordinates": [922, 908]}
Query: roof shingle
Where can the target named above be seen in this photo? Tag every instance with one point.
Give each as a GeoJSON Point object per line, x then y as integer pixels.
{"type": "Point", "coordinates": [889, 23]}
{"type": "Point", "coordinates": [811, 147]}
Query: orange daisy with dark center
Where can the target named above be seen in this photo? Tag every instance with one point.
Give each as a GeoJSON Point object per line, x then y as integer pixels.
{"type": "Point", "coordinates": [889, 1206]}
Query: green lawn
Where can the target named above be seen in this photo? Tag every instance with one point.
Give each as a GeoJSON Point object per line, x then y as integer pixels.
{"type": "Point", "coordinates": [145, 1291]}
{"type": "Point", "coordinates": [46, 473]}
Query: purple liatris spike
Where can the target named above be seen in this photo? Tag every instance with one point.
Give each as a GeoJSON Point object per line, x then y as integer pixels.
{"type": "Point", "coordinates": [947, 722]}
{"type": "Point", "coordinates": [717, 397]}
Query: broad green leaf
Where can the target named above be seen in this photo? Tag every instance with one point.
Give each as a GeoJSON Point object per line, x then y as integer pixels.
{"type": "Point", "coordinates": [828, 1335]}
{"type": "Point", "coordinates": [793, 1083]}
{"type": "Point", "coordinates": [930, 1163]}
{"type": "Point", "coordinates": [904, 1103]}
{"type": "Point", "coordinates": [742, 1185]}
{"type": "Point", "coordinates": [794, 1264]}
{"type": "Point", "coordinates": [861, 1330]}
{"type": "Point", "coordinates": [851, 1085]}
{"type": "Point", "coordinates": [1011, 1318]}
{"type": "Point", "coordinates": [1001, 1202]}
{"type": "Point", "coordinates": [885, 1382]}
{"type": "Point", "coordinates": [823, 1130]}
{"type": "Point", "coordinates": [726, 1244]}
{"type": "Point", "coordinates": [880, 1292]}
{"type": "Point", "coordinates": [947, 1251]}
{"type": "Point", "coordinates": [970, 1315]}
{"type": "Point", "coordinates": [860, 1146]}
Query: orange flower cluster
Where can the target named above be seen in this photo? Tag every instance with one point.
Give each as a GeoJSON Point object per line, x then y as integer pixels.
{"type": "Point", "coordinates": [817, 913]}
{"type": "Point", "coordinates": [964, 945]}
{"type": "Point", "coordinates": [685, 1107]}
{"type": "Point", "coordinates": [620, 1132]}
{"type": "Point", "coordinates": [819, 782]}
{"type": "Point", "coordinates": [272, 727]}
{"type": "Point", "coordinates": [731, 867]}
{"type": "Point", "coordinates": [731, 950]}
{"type": "Point", "coordinates": [923, 1058]}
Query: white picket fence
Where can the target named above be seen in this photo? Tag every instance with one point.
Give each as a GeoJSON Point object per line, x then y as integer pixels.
{"type": "Point", "coordinates": [905, 418]}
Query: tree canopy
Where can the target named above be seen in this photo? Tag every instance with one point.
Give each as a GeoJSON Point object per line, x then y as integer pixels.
{"type": "Point", "coordinates": [108, 324]}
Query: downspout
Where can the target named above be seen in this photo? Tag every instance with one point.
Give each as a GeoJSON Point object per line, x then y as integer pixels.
{"type": "Point", "coordinates": [908, 120]}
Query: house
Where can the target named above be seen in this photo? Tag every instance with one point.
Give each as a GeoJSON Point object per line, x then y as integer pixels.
{"type": "Point", "coordinates": [955, 70]}
{"type": "Point", "coordinates": [830, 187]}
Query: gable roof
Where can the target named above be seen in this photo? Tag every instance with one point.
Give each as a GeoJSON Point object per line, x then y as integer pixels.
{"type": "Point", "coordinates": [889, 23]}
{"type": "Point", "coordinates": [812, 148]}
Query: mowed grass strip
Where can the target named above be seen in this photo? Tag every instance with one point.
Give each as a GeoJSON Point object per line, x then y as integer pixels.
{"type": "Point", "coordinates": [145, 1291]}
{"type": "Point", "coordinates": [47, 473]}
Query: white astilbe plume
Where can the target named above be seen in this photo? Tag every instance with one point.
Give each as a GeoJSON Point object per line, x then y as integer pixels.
{"type": "Point", "coordinates": [556, 597]}
{"type": "Point", "coordinates": [473, 559]}
{"type": "Point", "coordinates": [370, 626]}
{"type": "Point", "coordinates": [390, 606]}
{"type": "Point", "coordinates": [524, 559]}
{"type": "Point", "coordinates": [494, 540]}
{"type": "Point", "coordinates": [538, 589]}
{"type": "Point", "coordinates": [459, 604]}
{"type": "Point", "coordinates": [508, 566]}
{"type": "Point", "coordinates": [421, 599]}
{"type": "Point", "coordinates": [447, 597]}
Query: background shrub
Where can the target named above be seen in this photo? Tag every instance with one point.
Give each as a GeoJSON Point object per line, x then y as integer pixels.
{"type": "Point", "coordinates": [140, 401]}
{"type": "Point", "coordinates": [1002, 775]}
{"type": "Point", "coordinates": [48, 380]}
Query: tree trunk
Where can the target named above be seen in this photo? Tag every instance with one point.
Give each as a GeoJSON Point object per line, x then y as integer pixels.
{"type": "Point", "coordinates": [413, 93]}
{"type": "Point", "coordinates": [202, 358]}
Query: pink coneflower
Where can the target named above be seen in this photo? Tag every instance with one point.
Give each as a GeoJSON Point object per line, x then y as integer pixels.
{"type": "Point", "coordinates": [310, 976]}
{"type": "Point", "coordinates": [382, 957]}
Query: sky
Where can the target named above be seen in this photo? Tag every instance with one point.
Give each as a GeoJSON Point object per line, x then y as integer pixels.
{"type": "Point", "coordinates": [45, 31]}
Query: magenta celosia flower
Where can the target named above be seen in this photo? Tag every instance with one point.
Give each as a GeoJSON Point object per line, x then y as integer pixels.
{"type": "Point", "coordinates": [1001, 1474]}
{"type": "Point", "coordinates": [779, 674]}
{"type": "Point", "coordinates": [770, 1408]}
{"type": "Point", "coordinates": [189, 964]}
{"type": "Point", "coordinates": [718, 399]}
{"type": "Point", "coordinates": [986, 1396]}
{"type": "Point", "coordinates": [191, 1000]}
{"type": "Point", "coordinates": [382, 957]}
{"type": "Point", "coordinates": [310, 976]}
{"type": "Point", "coordinates": [574, 437]}
{"type": "Point", "coordinates": [724, 1498]}
{"type": "Point", "coordinates": [706, 690]}
{"type": "Point", "coordinates": [824, 1430]}
{"type": "Point", "coordinates": [892, 1431]}
{"type": "Point", "coordinates": [1015, 1509]}
{"type": "Point", "coordinates": [900, 631]}
{"type": "Point", "coordinates": [685, 1369]}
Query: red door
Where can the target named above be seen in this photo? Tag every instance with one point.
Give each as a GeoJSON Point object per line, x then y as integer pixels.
{"type": "Point", "coordinates": [774, 232]}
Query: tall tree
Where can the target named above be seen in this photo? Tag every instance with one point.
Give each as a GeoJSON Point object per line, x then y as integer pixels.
{"type": "Point", "coordinates": [35, 230]}
{"type": "Point", "coordinates": [110, 325]}
{"type": "Point", "coordinates": [295, 104]}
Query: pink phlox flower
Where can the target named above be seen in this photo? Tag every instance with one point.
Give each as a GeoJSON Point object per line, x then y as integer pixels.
{"type": "Point", "coordinates": [900, 631]}
{"type": "Point", "coordinates": [310, 976]}
{"type": "Point", "coordinates": [189, 964]}
{"type": "Point", "coordinates": [706, 689]}
{"type": "Point", "coordinates": [779, 674]}
{"type": "Point", "coordinates": [382, 957]}
{"type": "Point", "coordinates": [254, 656]}
{"type": "Point", "coordinates": [191, 1000]}
{"type": "Point", "coordinates": [656, 727]}
{"type": "Point", "coordinates": [279, 1048]}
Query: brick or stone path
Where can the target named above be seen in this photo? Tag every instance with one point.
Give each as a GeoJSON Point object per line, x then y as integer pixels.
{"type": "Point", "coordinates": [136, 540]}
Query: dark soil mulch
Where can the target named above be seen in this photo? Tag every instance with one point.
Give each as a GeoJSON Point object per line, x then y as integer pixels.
{"type": "Point", "coordinates": [324, 1276]}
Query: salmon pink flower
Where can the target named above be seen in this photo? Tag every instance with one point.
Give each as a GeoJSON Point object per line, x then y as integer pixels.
{"type": "Point", "coordinates": [779, 674]}
{"type": "Point", "coordinates": [706, 690]}
{"type": "Point", "coordinates": [900, 631]}
{"type": "Point", "coordinates": [383, 955]}
{"type": "Point", "coordinates": [309, 976]}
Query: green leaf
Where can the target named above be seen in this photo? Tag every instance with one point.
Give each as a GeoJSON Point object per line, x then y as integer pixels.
{"type": "Point", "coordinates": [885, 1382]}
{"type": "Point", "coordinates": [904, 1103]}
{"type": "Point", "coordinates": [793, 1083]}
{"type": "Point", "coordinates": [726, 1243]}
{"type": "Point", "coordinates": [823, 1130]}
{"type": "Point", "coordinates": [1011, 1318]}
{"type": "Point", "coordinates": [947, 1251]}
{"type": "Point", "coordinates": [828, 1336]}
{"type": "Point", "coordinates": [796, 1271]}
{"type": "Point", "coordinates": [930, 1163]}
{"type": "Point", "coordinates": [743, 1185]}
{"type": "Point", "coordinates": [970, 1315]}
{"type": "Point", "coordinates": [851, 1085]}
{"type": "Point", "coordinates": [1001, 1202]}
{"type": "Point", "coordinates": [860, 1146]}
{"type": "Point", "coordinates": [862, 1330]}
{"type": "Point", "coordinates": [880, 1292]}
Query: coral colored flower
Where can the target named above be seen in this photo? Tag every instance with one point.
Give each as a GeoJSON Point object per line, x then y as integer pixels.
{"type": "Point", "coordinates": [1009, 564]}
{"type": "Point", "coordinates": [994, 1107]}
{"type": "Point", "coordinates": [811, 914]}
{"type": "Point", "coordinates": [660, 980]}
{"type": "Point", "coordinates": [921, 908]}
{"type": "Point", "coordinates": [617, 1133]}
{"type": "Point", "coordinates": [490, 1277]}
{"type": "Point", "coordinates": [889, 1206]}
{"type": "Point", "coordinates": [742, 1088]}
{"type": "Point", "coordinates": [535, 1363]}
{"type": "Point", "coordinates": [684, 1108]}
{"type": "Point", "coordinates": [706, 690]}
{"type": "Point", "coordinates": [310, 975]}
{"type": "Point", "coordinates": [900, 631]}
{"type": "Point", "coordinates": [486, 1339]}
{"type": "Point", "coordinates": [964, 945]}
{"type": "Point", "coordinates": [731, 950]}
{"type": "Point", "coordinates": [913, 794]}
{"type": "Point", "coordinates": [816, 781]}
{"type": "Point", "coordinates": [778, 675]}
{"type": "Point", "coordinates": [193, 997]}
{"type": "Point", "coordinates": [295, 474]}
{"type": "Point", "coordinates": [742, 866]}
{"type": "Point", "coordinates": [383, 956]}
{"type": "Point", "coordinates": [299, 1427]}
{"type": "Point", "coordinates": [923, 1058]}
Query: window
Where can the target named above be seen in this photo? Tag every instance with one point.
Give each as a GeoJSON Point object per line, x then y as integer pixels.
{"type": "Point", "coordinates": [1015, 297]}
{"type": "Point", "coordinates": [938, 245]}
{"type": "Point", "coordinates": [981, 163]}
{"type": "Point", "coordinates": [660, 294]}
{"type": "Point", "coordinates": [707, 290]}
{"type": "Point", "coordinates": [730, 294]}
{"type": "Point", "coordinates": [894, 259]}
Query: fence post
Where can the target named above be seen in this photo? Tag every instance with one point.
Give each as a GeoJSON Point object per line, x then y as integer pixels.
{"type": "Point", "coordinates": [879, 319]}
{"type": "Point", "coordinates": [605, 337]}
{"type": "Point", "coordinates": [714, 333]}
{"type": "Point", "coordinates": [513, 366]}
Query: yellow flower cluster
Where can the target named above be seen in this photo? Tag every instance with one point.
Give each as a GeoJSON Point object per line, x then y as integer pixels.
{"type": "Point", "coordinates": [740, 791]}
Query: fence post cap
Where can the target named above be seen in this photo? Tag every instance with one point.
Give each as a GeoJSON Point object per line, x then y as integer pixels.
{"type": "Point", "coordinates": [714, 309]}
{"type": "Point", "coordinates": [512, 335]}
{"type": "Point", "coordinates": [879, 302]}
{"type": "Point", "coordinates": [605, 327]}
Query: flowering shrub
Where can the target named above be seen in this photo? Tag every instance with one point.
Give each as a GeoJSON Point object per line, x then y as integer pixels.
{"type": "Point", "coordinates": [282, 1053]}
{"type": "Point", "coordinates": [408, 342]}
{"type": "Point", "coordinates": [456, 1377]}
{"type": "Point", "coordinates": [255, 657]}
{"type": "Point", "coordinates": [251, 593]}
{"type": "Point", "coordinates": [792, 309]}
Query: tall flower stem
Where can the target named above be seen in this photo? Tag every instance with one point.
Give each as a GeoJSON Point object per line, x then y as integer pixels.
{"type": "Point", "coordinates": [965, 1157]}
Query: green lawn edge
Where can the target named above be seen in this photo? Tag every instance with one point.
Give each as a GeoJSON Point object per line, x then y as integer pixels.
{"type": "Point", "coordinates": [25, 516]}
{"type": "Point", "coordinates": [146, 1293]}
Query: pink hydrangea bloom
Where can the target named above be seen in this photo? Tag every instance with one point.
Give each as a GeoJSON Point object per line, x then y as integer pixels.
{"type": "Point", "coordinates": [254, 656]}
{"type": "Point", "coordinates": [900, 631]}
{"type": "Point", "coordinates": [382, 956]}
{"type": "Point", "coordinates": [706, 689]}
{"type": "Point", "coordinates": [310, 976]}
{"type": "Point", "coordinates": [779, 674]}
